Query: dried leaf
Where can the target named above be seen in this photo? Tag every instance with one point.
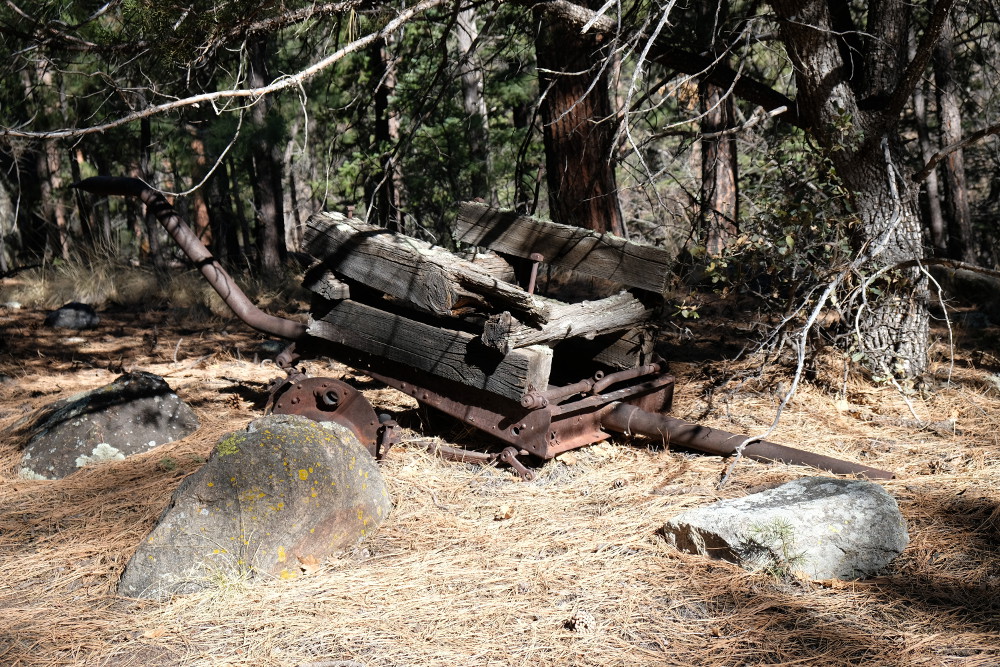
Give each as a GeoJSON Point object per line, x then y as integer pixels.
{"type": "Point", "coordinates": [308, 563]}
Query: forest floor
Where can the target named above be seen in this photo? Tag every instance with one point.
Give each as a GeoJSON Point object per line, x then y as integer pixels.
{"type": "Point", "coordinates": [474, 566]}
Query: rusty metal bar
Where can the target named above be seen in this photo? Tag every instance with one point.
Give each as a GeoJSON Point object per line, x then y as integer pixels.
{"type": "Point", "coordinates": [626, 418]}
{"type": "Point", "coordinates": [536, 400]}
{"type": "Point", "coordinates": [192, 246]}
{"type": "Point", "coordinates": [622, 376]}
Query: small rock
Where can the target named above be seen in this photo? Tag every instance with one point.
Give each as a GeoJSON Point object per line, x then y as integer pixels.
{"type": "Point", "coordinates": [73, 315]}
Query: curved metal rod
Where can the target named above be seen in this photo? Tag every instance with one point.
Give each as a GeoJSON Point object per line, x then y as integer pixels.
{"type": "Point", "coordinates": [192, 246]}
{"type": "Point", "coordinates": [625, 418]}
{"type": "Point", "coordinates": [621, 376]}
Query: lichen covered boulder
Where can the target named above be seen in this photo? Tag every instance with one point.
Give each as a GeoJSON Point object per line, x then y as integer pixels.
{"type": "Point", "coordinates": [133, 414]}
{"type": "Point", "coordinates": [283, 494]}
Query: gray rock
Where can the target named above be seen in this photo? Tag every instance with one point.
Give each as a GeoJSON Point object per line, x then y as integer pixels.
{"type": "Point", "coordinates": [816, 528]}
{"type": "Point", "coordinates": [271, 500]}
{"type": "Point", "coordinates": [73, 316]}
{"type": "Point", "coordinates": [133, 414]}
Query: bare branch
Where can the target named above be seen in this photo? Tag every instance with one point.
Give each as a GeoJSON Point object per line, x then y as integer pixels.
{"type": "Point", "coordinates": [948, 150]}
{"type": "Point", "coordinates": [254, 94]}
{"type": "Point", "coordinates": [942, 261]}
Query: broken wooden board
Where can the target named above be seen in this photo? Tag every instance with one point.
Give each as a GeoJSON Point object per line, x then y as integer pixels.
{"type": "Point", "coordinates": [586, 319]}
{"type": "Point", "coordinates": [454, 355]}
{"type": "Point", "coordinates": [427, 278]}
{"type": "Point", "coordinates": [327, 285]}
{"type": "Point", "coordinates": [600, 255]}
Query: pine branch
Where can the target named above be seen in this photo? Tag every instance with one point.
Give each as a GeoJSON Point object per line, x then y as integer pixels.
{"type": "Point", "coordinates": [254, 94]}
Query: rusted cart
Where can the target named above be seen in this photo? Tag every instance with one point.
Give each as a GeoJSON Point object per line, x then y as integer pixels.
{"type": "Point", "coordinates": [539, 375]}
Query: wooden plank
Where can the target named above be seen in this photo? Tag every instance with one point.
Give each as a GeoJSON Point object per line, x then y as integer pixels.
{"type": "Point", "coordinates": [327, 285]}
{"type": "Point", "coordinates": [601, 255]}
{"type": "Point", "coordinates": [630, 349]}
{"type": "Point", "coordinates": [425, 277]}
{"type": "Point", "coordinates": [454, 355]}
{"type": "Point", "coordinates": [586, 319]}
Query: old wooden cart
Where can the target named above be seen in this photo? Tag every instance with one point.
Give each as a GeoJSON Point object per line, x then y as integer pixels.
{"type": "Point", "coordinates": [539, 375]}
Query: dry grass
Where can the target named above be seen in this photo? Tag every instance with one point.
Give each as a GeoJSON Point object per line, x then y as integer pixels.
{"type": "Point", "coordinates": [474, 567]}
{"type": "Point", "coordinates": [102, 284]}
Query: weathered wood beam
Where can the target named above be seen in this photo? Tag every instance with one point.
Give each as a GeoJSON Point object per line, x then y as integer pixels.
{"type": "Point", "coordinates": [587, 319]}
{"type": "Point", "coordinates": [427, 278]}
{"type": "Point", "coordinates": [327, 285]}
{"type": "Point", "coordinates": [632, 348]}
{"type": "Point", "coordinates": [454, 355]}
{"type": "Point", "coordinates": [601, 255]}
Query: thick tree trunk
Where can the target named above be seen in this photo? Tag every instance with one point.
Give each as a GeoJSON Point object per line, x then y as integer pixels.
{"type": "Point", "coordinates": [267, 167]}
{"type": "Point", "coordinates": [719, 210]}
{"type": "Point", "coordinates": [959, 218]}
{"type": "Point", "coordinates": [578, 129]}
{"type": "Point", "coordinates": [892, 327]}
{"type": "Point", "coordinates": [474, 103]}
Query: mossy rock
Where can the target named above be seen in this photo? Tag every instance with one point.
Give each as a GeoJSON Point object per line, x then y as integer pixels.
{"type": "Point", "coordinates": [284, 493]}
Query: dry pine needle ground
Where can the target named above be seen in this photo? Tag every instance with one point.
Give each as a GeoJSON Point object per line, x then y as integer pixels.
{"type": "Point", "coordinates": [477, 568]}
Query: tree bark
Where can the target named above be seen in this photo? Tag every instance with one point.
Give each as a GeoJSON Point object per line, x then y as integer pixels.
{"type": "Point", "coordinates": [577, 127]}
{"type": "Point", "coordinates": [385, 189]}
{"type": "Point", "coordinates": [959, 217]}
{"type": "Point", "coordinates": [49, 164]}
{"type": "Point", "coordinates": [932, 193]}
{"type": "Point", "coordinates": [474, 104]}
{"type": "Point", "coordinates": [719, 207]}
{"type": "Point", "coordinates": [846, 120]}
{"type": "Point", "coordinates": [201, 222]}
{"type": "Point", "coordinates": [267, 166]}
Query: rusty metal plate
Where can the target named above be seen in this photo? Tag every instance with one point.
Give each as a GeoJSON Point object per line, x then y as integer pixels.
{"type": "Point", "coordinates": [328, 400]}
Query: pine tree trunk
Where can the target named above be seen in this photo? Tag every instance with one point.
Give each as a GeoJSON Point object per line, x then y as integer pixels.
{"type": "Point", "coordinates": [267, 167]}
{"type": "Point", "coordinates": [474, 104]}
{"type": "Point", "coordinates": [719, 209]}
{"type": "Point", "coordinates": [959, 218]}
{"type": "Point", "coordinates": [384, 190]}
{"type": "Point", "coordinates": [578, 129]}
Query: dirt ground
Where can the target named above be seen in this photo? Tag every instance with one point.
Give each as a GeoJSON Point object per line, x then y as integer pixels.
{"type": "Point", "coordinates": [474, 566]}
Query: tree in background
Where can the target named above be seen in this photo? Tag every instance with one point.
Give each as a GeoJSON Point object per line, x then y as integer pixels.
{"type": "Point", "coordinates": [578, 127]}
{"type": "Point", "coordinates": [481, 95]}
{"type": "Point", "coordinates": [718, 214]}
